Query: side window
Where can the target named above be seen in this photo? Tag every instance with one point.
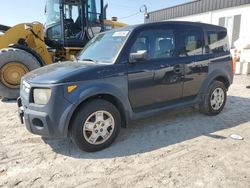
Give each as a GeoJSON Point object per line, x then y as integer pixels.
{"type": "Point", "coordinates": [72, 12]}
{"type": "Point", "coordinates": [192, 43]}
{"type": "Point", "coordinates": [76, 13]}
{"type": "Point", "coordinates": [94, 10]}
{"type": "Point", "coordinates": [156, 43]}
{"type": "Point", "coordinates": [141, 43]}
{"type": "Point", "coordinates": [72, 20]}
{"type": "Point", "coordinates": [217, 41]}
{"type": "Point", "coordinates": [164, 45]}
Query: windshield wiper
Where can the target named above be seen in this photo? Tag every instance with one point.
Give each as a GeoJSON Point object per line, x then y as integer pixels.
{"type": "Point", "coordinates": [91, 60]}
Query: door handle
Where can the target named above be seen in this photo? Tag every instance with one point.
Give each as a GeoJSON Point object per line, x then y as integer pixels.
{"type": "Point", "coordinates": [177, 69]}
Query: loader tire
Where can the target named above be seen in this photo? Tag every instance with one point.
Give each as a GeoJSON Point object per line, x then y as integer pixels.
{"type": "Point", "coordinates": [14, 63]}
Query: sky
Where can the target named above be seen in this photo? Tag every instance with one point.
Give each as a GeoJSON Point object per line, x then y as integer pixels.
{"type": "Point", "coordinates": [13, 12]}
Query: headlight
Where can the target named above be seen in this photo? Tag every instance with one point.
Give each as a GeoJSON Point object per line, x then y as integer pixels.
{"type": "Point", "coordinates": [41, 96]}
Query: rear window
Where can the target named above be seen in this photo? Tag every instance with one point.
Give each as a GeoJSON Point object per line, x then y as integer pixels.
{"type": "Point", "coordinates": [217, 41]}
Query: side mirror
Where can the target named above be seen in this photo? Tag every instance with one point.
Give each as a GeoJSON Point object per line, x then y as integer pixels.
{"type": "Point", "coordinates": [140, 55]}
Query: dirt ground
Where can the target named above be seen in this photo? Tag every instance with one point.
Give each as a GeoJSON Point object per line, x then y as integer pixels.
{"type": "Point", "coordinates": [179, 149]}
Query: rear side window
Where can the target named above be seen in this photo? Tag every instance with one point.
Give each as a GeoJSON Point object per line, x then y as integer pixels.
{"type": "Point", "coordinates": [192, 42]}
{"type": "Point", "coordinates": [217, 41]}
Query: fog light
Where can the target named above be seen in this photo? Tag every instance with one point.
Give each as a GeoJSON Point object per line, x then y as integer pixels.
{"type": "Point", "coordinates": [38, 123]}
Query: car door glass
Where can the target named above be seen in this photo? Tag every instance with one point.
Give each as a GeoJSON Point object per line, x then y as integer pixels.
{"type": "Point", "coordinates": [141, 43]}
{"type": "Point", "coordinates": [192, 43]}
{"type": "Point", "coordinates": [164, 45]}
{"type": "Point", "coordinates": [156, 43]}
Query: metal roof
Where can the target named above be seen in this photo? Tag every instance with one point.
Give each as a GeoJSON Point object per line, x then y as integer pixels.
{"type": "Point", "coordinates": [193, 7]}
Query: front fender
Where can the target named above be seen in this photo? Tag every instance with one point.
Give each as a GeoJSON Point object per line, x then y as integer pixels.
{"type": "Point", "coordinates": [93, 89]}
{"type": "Point", "coordinates": [104, 89]}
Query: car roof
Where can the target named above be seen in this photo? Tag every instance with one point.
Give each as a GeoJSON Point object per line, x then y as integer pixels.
{"type": "Point", "coordinates": [153, 24]}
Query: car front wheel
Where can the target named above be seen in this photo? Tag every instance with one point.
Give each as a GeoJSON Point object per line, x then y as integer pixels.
{"type": "Point", "coordinates": [95, 125]}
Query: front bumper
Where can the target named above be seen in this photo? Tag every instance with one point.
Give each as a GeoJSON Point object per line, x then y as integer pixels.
{"type": "Point", "coordinates": [35, 122]}
{"type": "Point", "coordinates": [50, 120]}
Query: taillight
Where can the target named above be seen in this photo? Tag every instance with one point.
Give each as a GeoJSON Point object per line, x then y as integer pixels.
{"type": "Point", "coordinates": [235, 57]}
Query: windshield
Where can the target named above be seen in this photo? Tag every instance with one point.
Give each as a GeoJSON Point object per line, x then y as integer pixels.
{"type": "Point", "coordinates": [104, 47]}
{"type": "Point", "coordinates": [52, 12]}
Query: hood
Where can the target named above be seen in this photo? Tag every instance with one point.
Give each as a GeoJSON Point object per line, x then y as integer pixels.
{"type": "Point", "coordinates": [60, 72]}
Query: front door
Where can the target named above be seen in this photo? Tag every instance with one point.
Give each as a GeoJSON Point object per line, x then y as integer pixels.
{"type": "Point", "coordinates": [158, 77]}
{"type": "Point", "coordinates": [141, 75]}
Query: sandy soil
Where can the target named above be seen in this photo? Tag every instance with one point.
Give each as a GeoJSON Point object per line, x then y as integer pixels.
{"type": "Point", "coordinates": [179, 149]}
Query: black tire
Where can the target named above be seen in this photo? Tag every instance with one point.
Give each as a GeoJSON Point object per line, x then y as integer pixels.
{"type": "Point", "coordinates": [82, 115]}
{"type": "Point", "coordinates": [206, 106]}
{"type": "Point", "coordinates": [10, 55]}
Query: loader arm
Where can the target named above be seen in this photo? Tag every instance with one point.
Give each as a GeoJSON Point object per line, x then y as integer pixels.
{"type": "Point", "coordinates": [29, 35]}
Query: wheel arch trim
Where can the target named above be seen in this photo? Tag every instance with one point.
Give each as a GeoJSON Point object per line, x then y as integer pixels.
{"type": "Point", "coordinates": [214, 76]}
{"type": "Point", "coordinates": [93, 92]}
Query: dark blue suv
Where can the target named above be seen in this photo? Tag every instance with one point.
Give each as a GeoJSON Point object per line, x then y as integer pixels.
{"type": "Point", "coordinates": [127, 74]}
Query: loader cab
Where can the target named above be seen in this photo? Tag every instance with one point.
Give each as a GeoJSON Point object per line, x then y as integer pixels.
{"type": "Point", "coordinates": [72, 23]}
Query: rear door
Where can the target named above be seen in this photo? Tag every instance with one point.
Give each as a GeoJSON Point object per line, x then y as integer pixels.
{"type": "Point", "coordinates": [192, 50]}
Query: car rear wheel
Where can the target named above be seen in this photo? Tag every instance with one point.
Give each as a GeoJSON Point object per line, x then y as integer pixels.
{"type": "Point", "coordinates": [95, 125]}
{"type": "Point", "coordinates": [215, 99]}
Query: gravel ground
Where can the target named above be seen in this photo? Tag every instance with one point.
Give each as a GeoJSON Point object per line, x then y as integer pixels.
{"type": "Point", "coordinates": [179, 149]}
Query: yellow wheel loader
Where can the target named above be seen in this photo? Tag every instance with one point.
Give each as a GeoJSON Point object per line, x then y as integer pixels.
{"type": "Point", "coordinates": [70, 24]}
